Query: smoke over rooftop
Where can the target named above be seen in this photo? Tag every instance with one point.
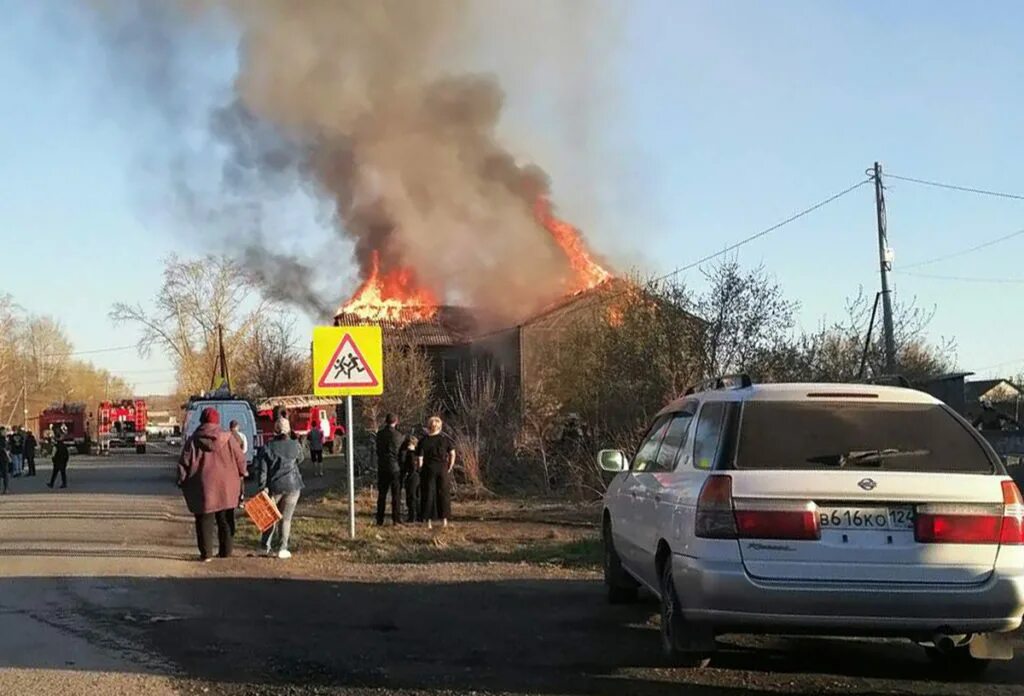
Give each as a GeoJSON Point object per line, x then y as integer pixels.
{"type": "Point", "coordinates": [367, 105]}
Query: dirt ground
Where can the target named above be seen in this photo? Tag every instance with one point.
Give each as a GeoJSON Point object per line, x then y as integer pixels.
{"type": "Point", "coordinates": [100, 594]}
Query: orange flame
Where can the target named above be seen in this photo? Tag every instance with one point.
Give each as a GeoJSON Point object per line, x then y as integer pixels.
{"type": "Point", "coordinates": [394, 296]}
{"type": "Point", "coordinates": [587, 272]}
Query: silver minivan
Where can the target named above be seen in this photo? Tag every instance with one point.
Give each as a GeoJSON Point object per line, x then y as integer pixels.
{"type": "Point", "coordinates": [829, 509]}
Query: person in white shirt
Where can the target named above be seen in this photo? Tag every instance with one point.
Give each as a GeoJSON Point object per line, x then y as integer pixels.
{"type": "Point", "coordinates": [243, 441]}
{"type": "Point", "coordinates": [240, 436]}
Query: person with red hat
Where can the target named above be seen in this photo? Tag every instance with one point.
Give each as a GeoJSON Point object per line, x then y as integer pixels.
{"type": "Point", "coordinates": [209, 474]}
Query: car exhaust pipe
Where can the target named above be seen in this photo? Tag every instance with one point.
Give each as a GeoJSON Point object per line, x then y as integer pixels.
{"type": "Point", "coordinates": [946, 643]}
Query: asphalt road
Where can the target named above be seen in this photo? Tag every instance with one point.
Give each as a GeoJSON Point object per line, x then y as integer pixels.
{"type": "Point", "coordinates": [100, 594]}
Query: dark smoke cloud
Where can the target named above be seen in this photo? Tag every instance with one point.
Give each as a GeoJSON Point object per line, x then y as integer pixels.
{"type": "Point", "coordinates": [355, 102]}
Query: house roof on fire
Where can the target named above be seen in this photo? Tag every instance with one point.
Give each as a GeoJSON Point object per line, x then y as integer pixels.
{"type": "Point", "coordinates": [452, 325]}
{"type": "Point", "coordinates": [449, 326]}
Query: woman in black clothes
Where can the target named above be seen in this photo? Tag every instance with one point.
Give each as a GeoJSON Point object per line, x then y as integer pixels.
{"type": "Point", "coordinates": [435, 459]}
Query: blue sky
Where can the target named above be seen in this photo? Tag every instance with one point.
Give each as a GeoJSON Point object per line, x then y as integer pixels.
{"type": "Point", "coordinates": [706, 122]}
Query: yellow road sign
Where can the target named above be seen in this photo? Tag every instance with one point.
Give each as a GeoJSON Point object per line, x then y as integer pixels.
{"type": "Point", "coordinates": [348, 361]}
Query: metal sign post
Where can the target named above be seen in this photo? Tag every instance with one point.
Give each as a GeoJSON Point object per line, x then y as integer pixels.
{"type": "Point", "coordinates": [348, 361]}
{"type": "Point", "coordinates": [350, 454]}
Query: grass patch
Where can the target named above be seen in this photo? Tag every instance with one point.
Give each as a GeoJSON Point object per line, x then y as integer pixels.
{"type": "Point", "coordinates": [508, 537]}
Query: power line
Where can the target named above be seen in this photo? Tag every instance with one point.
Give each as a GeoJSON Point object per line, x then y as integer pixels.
{"type": "Point", "coordinates": [766, 231]}
{"type": "Point", "coordinates": [962, 279]}
{"type": "Point", "coordinates": [963, 252]}
{"type": "Point", "coordinates": [90, 352]}
{"type": "Point", "coordinates": [732, 247]}
{"type": "Point", "coordinates": [954, 187]}
{"type": "Point", "coordinates": [1016, 361]}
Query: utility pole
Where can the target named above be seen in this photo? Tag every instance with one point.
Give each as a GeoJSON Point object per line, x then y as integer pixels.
{"type": "Point", "coordinates": [885, 265]}
{"type": "Point", "coordinates": [223, 357]}
{"type": "Point", "coordinates": [24, 393]}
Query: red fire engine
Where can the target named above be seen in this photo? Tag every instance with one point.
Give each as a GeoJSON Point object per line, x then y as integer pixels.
{"type": "Point", "coordinates": [302, 412]}
{"type": "Point", "coordinates": [122, 424]}
{"type": "Point", "coordinates": [65, 422]}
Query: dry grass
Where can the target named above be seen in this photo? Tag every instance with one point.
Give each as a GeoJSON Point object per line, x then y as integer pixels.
{"type": "Point", "coordinates": [483, 531]}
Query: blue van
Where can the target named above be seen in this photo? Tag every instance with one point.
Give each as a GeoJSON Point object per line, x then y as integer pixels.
{"type": "Point", "coordinates": [229, 408]}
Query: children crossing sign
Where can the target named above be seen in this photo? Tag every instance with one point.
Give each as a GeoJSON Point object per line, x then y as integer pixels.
{"type": "Point", "coordinates": [348, 361]}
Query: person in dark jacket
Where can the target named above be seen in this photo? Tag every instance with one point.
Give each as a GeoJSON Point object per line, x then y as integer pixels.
{"type": "Point", "coordinates": [410, 478]}
{"type": "Point", "coordinates": [5, 462]}
{"type": "Point", "coordinates": [389, 449]}
{"type": "Point", "coordinates": [435, 458]}
{"type": "Point", "coordinates": [210, 469]}
{"type": "Point", "coordinates": [60, 465]}
{"type": "Point", "coordinates": [316, 448]}
{"type": "Point", "coordinates": [30, 452]}
{"type": "Point", "coordinates": [17, 450]}
{"type": "Point", "coordinates": [278, 466]}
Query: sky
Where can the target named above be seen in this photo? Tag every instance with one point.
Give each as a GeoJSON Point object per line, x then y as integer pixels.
{"type": "Point", "coordinates": [704, 123]}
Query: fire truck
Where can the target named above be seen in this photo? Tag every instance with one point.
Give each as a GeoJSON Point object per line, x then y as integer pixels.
{"type": "Point", "coordinates": [65, 422]}
{"type": "Point", "coordinates": [302, 412]}
{"type": "Point", "coordinates": [122, 424]}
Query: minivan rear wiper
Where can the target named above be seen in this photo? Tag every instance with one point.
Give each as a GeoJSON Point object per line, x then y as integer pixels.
{"type": "Point", "coordinates": [865, 457]}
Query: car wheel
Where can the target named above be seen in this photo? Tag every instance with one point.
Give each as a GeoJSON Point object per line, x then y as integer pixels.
{"type": "Point", "coordinates": [622, 588]}
{"type": "Point", "coordinates": [958, 663]}
{"type": "Point", "coordinates": [674, 628]}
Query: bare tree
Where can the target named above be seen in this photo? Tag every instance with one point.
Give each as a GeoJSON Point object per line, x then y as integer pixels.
{"type": "Point", "coordinates": [746, 317]}
{"type": "Point", "coordinates": [476, 400]}
{"type": "Point", "coordinates": [196, 297]}
{"type": "Point", "coordinates": [37, 366]}
{"type": "Point", "coordinates": [274, 365]}
{"type": "Point", "coordinates": [408, 384]}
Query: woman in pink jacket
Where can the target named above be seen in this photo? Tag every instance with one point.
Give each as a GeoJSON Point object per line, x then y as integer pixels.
{"type": "Point", "coordinates": [209, 474]}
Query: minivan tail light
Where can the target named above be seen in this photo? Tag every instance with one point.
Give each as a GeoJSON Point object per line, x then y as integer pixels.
{"type": "Point", "coordinates": [940, 528]}
{"type": "Point", "coordinates": [781, 520]}
{"type": "Point", "coordinates": [714, 509]}
{"type": "Point", "coordinates": [1013, 515]}
{"type": "Point", "coordinates": [973, 524]}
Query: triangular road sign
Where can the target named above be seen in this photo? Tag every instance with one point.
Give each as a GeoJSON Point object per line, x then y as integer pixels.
{"type": "Point", "coordinates": [347, 368]}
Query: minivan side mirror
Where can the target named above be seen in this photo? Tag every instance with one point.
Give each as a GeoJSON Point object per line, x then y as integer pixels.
{"type": "Point", "coordinates": [613, 461]}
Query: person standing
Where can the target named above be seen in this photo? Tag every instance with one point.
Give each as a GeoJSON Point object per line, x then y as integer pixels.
{"type": "Point", "coordinates": [61, 455]}
{"type": "Point", "coordinates": [316, 448]}
{"type": "Point", "coordinates": [30, 452]}
{"type": "Point", "coordinates": [5, 461]}
{"type": "Point", "coordinates": [243, 442]}
{"type": "Point", "coordinates": [279, 474]}
{"type": "Point", "coordinates": [435, 458]}
{"type": "Point", "coordinates": [236, 432]}
{"type": "Point", "coordinates": [389, 449]}
{"type": "Point", "coordinates": [17, 448]}
{"type": "Point", "coordinates": [210, 468]}
{"type": "Point", "coordinates": [411, 478]}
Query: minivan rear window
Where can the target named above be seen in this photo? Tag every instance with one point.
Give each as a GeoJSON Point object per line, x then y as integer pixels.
{"type": "Point", "coordinates": [859, 435]}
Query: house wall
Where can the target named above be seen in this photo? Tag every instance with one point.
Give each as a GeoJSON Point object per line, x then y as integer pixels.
{"type": "Point", "coordinates": [949, 391]}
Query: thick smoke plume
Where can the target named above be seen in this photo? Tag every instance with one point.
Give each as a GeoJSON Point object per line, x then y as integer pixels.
{"type": "Point", "coordinates": [362, 103]}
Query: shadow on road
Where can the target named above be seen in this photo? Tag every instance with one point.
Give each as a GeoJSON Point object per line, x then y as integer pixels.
{"type": "Point", "coordinates": [518, 636]}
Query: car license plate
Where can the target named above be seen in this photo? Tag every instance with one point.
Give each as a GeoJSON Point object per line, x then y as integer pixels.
{"type": "Point", "coordinates": [882, 519]}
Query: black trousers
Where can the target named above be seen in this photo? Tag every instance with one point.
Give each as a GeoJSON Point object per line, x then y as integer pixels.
{"type": "Point", "coordinates": [316, 456]}
{"type": "Point", "coordinates": [388, 482]}
{"type": "Point", "coordinates": [30, 460]}
{"type": "Point", "coordinates": [61, 469]}
{"type": "Point", "coordinates": [411, 483]}
{"type": "Point", "coordinates": [224, 522]}
{"type": "Point", "coordinates": [435, 493]}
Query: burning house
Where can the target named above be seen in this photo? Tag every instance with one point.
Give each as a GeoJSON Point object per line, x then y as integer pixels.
{"type": "Point", "coordinates": [453, 337]}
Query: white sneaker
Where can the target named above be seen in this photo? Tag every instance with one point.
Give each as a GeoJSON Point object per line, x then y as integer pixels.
{"type": "Point", "coordinates": [284, 554]}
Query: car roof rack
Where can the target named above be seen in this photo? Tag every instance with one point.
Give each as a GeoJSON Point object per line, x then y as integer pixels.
{"type": "Point", "coordinates": [737, 381]}
{"type": "Point", "coordinates": [890, 381]}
